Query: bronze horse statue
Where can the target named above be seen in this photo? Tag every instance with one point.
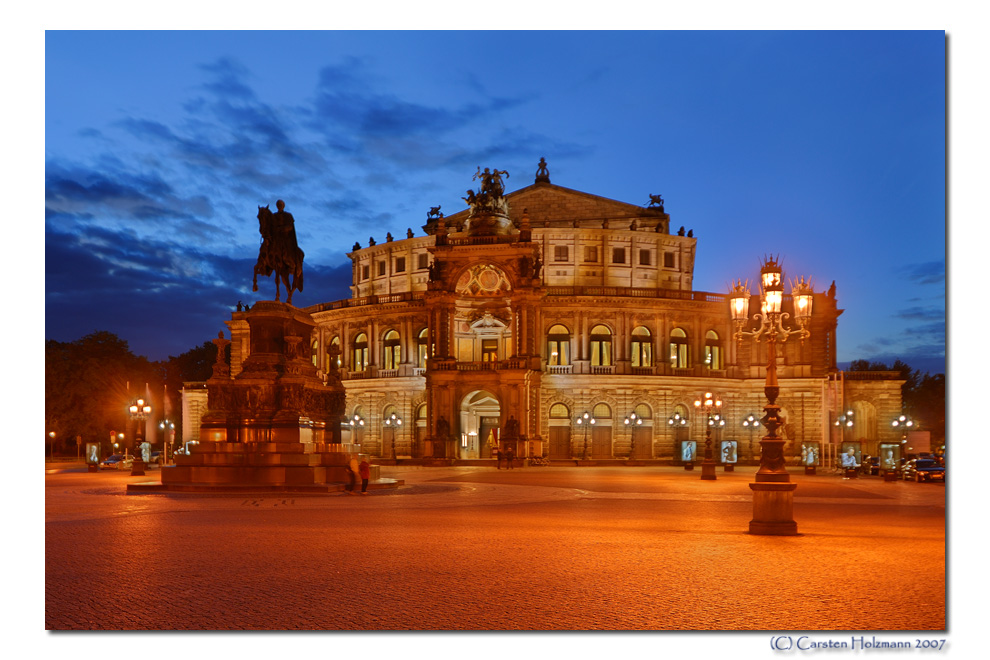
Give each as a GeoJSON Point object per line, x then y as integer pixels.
{"type": "Point", "coordinates": [279, 252]}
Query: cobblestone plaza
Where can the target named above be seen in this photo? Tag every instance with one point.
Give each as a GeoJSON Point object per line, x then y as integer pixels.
{"type": "Point", "coordinates": [473, 548]}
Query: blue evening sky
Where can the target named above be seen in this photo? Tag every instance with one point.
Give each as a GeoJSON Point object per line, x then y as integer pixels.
{"type": "Point", "coordinates": [827, 148]}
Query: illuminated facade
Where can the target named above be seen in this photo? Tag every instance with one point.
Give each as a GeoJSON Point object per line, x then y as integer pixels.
{"type": "Point", "coordinates": [508, 325]}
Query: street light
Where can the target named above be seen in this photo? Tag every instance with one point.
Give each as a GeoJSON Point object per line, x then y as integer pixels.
{"type": "Point", "coordinates": [51, 450]}
{"type": "Point", "coordinates": [675, 422]}
{"type": "Point", "coordinates": [632, 421]}
{"type": "Point", "coordinates": [843, 422]}
{"type": "Point", "coordinates": [167, 428]}
{"type": "Point", "coordinates": [903, 423]}
{"type": "Point", "coordinates": [773, 494]}
{"type": "Point", "coordinates": [750, 423]}
{"type": "Point", "coordinates": [393, 421]}
{"type": "Point", "coordinates": [587, 420]}
{"type": "Point", "coordinates": [712, 407]}
{"type": "Point", "coordinates": [139, 411]}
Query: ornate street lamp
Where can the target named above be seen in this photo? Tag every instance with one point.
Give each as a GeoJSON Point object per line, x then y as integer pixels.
{"type": "Point", "coordinates": [139, 412]}
{"type": "Point", "coordinates": [587, 420]}
{"type": "Point", "coordinates": [632, 421]}
{"type": "Point", "coordinates": [393, 421]}
{"type": "Point", "coordinates": [168, 432]}
{"type": "Point", "coordinates": [773, 494]}
{"type": "Point", "coordinates": [750, 423]}
{"type": "Point", "coordinates": [675, 422]}
{"type": "Point", "coordinates": [712, 407]}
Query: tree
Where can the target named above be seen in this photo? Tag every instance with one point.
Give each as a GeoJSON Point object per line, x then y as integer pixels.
{"type": "Point", "coordinates": [86, 386]}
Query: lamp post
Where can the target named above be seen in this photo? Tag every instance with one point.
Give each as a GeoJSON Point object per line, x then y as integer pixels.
{"type": "Point", "coordinates": [632, 421]}
{"type": "Point", "coordinates": [712, 407]}
{"type": "Point", "coordinates": [750, 423]}
{"type": "Point", "coordinates": [392, 422]}
{"type": "Point", "coordinates": [354, 423]}
{"type": "Point", "coordinates": [675, 422]}
{"type": "Point", "coordinates": [903, 423]}
{"type": "Point", "coordinates": [773, 494]}
{"type": "Point", "coordinates": [587, 420]}
{"type": "Point", "coordinates": [168, 431]}
{"type": "Point", "coordinates": [139, 412]}
{"type": "Point", "coordinates": [51, 444]}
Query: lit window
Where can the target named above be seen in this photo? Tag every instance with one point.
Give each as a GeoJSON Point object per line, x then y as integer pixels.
{"type": "Point", "coordinates": [678, 349]}
{"type": "Point", "coordinates": [360, 361]}
{"type": "Point", "coordinates": [392, 350]}
{"type": "Point", "coordinates": [642, 348]}
{"type": "Point", "coordinates": [423, 346]}
{"type": "Point", "coordinates": [558, 346]}
{"type": "Point", "coordinates": [489, 350]}
{"type": "Point", "coordinates": [713, 350]}
{"type": "Point", "coordinates": [559, 411]}
{"type": "Point", "coordinates": [601, 346]}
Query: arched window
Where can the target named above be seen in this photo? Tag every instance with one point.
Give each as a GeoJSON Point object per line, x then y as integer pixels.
{"type": "Point", "coordinates": [559, 411]}
{"type": "Point", "coordinates": [601, 346]}
{"type": "Point", "coordinates": [333, 350]}
{"type": "Point", "coordinates": [642, 348]}
{"type": "Point", "coordinates": [421, 412]}
{"type": "Point", "coordinates": [643, 411]}
{"type": "Point", "coordinates": [713, 350]}
{"type": "Point", "coordinates": [422, 348]}
{"type": "Point", "coordinates": [602, 411]}
{"type": "Point", "coordinates": [360, 361]}
{"type": "Point", "coordinates": [316, 353]}
{"type": "Point", "coordinates": [678, 349]}
{"type": "Point", "coordinates": [392, 350]}
{"type": "Point", "coordinates": [558, 346]}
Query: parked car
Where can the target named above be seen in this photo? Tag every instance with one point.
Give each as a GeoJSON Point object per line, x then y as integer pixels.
{"type": "Point", "coordinates": [928, 469]}
{"type": "Point", "coordinates": [117, 462]}
{"type": "Point", "coordinates": [155, 457]}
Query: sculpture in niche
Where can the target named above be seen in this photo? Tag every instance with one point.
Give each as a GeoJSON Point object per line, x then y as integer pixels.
{"type": "Point", "coordinates": [279, 252]}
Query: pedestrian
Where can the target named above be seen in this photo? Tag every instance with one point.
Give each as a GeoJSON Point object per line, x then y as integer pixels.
{"type": "Point", "coordinates": [498, 459]}
{"type": "Point", "coordinates": [510, 457]}
{"type": "Point", "coordinates": [364, 469]}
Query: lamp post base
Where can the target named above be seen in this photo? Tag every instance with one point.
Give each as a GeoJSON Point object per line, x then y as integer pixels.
{"type": "Point", "coordinates": [708, 471]}
{"type": "Point", "coordinates": [773, 509]}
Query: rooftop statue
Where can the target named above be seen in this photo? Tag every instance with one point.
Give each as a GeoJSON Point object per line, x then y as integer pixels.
{"type": "Point", "coordinates": [279, 251]}
{"type": "Point", "coordinates": [656, 200]}
{"type": "Point", "coordinates": [542, 173]}
{"type": "Point", "coordinates": [490, 198]}
{"type": "Point", "coordinates": [434, 213]}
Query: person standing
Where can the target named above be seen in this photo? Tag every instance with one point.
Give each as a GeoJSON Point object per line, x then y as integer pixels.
{"type": "Point", "coordinates": [510, 457]}
{"type": "Point", "coordinates": [364, 469]}
{"type": "Point", "coordinates": [498, 458]}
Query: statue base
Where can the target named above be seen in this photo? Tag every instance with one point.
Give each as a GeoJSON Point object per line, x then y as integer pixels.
{"type": "Point", "coordinates": [708, 471]}
{"type": "Point", "coordinates": [773, 509]}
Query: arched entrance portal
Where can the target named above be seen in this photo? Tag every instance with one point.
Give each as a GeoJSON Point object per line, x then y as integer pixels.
{"type": "Point", "coordinates": [480, 416]}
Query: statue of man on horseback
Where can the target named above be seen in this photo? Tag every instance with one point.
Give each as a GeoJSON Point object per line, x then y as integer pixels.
{"type": "Point", "coordinates": [279, 251]}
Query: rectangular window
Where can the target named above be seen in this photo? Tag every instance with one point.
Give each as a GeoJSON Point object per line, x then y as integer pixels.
{"type": "Point", "coordinates": [424, 262]}
{"type": "Point", "coordinates": [489, 350]}
{"type": "Point", "coordinates": [400, 264]}
{"type": "Point", "coordinates": [381, 268]}
{"type": "Point", "coordinates": [365, 272]}
{"type": "Point", "coordinates": [591, 254]}
{"type": "Point", "coordinates": [644, 258]}
{"type": "Point", "coordinates": [560, 253]}
{"type": "Point", "coordinates": [668, 259]}
{"type": "Point", "coordinates": [619, 255]}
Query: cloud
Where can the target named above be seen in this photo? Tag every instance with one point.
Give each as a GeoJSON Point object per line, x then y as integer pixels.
{"type": "Point", "coordinates": [929, 272]}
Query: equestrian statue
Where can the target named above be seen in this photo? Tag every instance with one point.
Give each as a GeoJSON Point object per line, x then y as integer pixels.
{"type": "Point", "coordinates": [279, 251]}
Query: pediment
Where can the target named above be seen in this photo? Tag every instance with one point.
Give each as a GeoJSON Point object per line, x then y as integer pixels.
{"type": "Point", "coordinates": [550, 205]}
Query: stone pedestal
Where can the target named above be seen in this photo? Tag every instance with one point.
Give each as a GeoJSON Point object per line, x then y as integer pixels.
{"type": "Point", "coordinates": [689, 466]}
{"type": "Point", "coordinates": [137, 467]}
{"type": "Point", "coordinates": [708, 471]}
{"type": "Point", "coordinates": [730, 467]}
{"type": "Point", "coordinates": [810, 469]}
{"type": "Point", "coordinates": [773, 509]}
{"type": "Point", "coordinates": [276, 425]}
